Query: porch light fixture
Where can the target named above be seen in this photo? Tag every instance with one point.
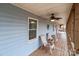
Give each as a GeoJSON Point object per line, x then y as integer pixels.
{"type": "Point", "coordinates": [61, 26]}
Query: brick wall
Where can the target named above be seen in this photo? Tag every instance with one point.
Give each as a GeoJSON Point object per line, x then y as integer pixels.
{"type": "Point", "coordinates": [69, 27]}
{"type": "Point", "coordinates": [77, 25]}
{"type": "Point", "coordinates": [73, 25]}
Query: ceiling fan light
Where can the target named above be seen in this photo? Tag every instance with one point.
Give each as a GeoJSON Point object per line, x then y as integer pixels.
{"type": "Point", "coordinates": [52, 20]}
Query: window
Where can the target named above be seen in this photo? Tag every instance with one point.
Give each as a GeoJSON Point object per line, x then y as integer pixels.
{"type": "Point", "coordinates": [32, 28]}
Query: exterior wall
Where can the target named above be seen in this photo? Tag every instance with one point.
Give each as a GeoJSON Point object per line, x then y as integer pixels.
{"type": "Point", "coordinates": [73, 26]}
{"type": "Point", "coordinates": [14, 31]}
{"type": "Point", "coordinates": [69, 28]}
{"type": "Point", "coordinates": [77, 25]}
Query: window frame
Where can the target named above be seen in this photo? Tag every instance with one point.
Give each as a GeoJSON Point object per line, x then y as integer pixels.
{"type": "Point", "coordinates": [33, 29]}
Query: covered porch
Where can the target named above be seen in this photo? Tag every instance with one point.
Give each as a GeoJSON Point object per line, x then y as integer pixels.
{"type": "Point", "coordinates": [60, 47]}
{"type": "Point", "coordinates": [22, 24]}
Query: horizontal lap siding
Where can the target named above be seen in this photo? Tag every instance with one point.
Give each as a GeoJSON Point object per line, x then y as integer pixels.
{"type": "Point", "coordinates": [13, 31]}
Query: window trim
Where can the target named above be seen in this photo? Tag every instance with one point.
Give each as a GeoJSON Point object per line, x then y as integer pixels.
{"type": "Point", "coordinates": [36, 29]}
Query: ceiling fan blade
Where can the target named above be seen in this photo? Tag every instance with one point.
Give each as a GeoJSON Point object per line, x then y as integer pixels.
{"type": "Point", "coordinates": [58, 18]}
{"type": "Point", "coordinates": [53, 17]}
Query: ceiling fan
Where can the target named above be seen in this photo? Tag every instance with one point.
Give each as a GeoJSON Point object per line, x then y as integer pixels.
{"type": "Point", "coordinates": [53, 18]}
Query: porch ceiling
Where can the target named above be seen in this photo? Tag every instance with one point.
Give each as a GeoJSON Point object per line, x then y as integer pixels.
{"type": "Point", "coordinates": [45, 9]}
